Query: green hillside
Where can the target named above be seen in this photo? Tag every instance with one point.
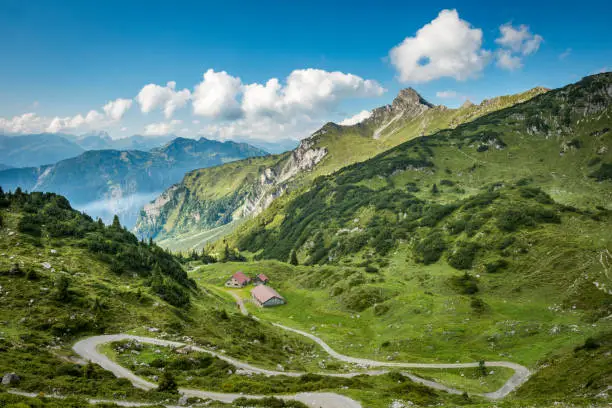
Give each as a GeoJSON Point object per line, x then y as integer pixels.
{"type": "Point", "coordinates": [64, 276]}
{"type": "Point", "coordinates": [179, 218]}
{"type": "Point", "coordinates": [490, 239]}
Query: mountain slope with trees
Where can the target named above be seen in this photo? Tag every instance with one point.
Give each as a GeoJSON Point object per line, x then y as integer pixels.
{"type": "Point", "coordinates": [179, 217]}
{"type": "Point", "coordinates": [493, 238]}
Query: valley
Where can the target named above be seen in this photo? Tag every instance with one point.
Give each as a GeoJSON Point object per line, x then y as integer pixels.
{"type": "Point", "coordinates": [305, 205]}
{"type": "Point", "coordinates": [459, 268]}
{"type": "Point", "coordinates": [105, 183]}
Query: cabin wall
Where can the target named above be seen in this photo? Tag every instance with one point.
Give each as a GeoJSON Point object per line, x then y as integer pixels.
{"type": "Point", "coordinates": [274, 302]}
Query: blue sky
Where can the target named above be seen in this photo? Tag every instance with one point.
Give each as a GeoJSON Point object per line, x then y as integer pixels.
{"type": "Point", "coordinates": [65, 58]}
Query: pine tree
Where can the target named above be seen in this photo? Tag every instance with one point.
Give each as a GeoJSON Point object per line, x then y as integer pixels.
{"type": "Point", "coordinates": [482, 368]}
{"type": "Point", "coordinates": [89, 371]}
{"type": "Point", "coordinates": [167, 383]}
{"type": "Point", "coordinates": [293, 258]}
{"type": "Point", "coordinates": [116, 223]}
{"type": "Point", "coordinates": [434, 189]}
{"type": "Point", "coordinates": [226, 253]}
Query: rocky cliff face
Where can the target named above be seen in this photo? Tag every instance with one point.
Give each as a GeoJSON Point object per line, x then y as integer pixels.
{"type": "Point", "coordinates": [273, 181]}
{"type": "Point", "coordinates": [258, 190]}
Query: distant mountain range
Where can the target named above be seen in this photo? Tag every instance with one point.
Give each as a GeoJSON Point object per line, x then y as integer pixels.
{"type": "Point", "coordinates": [37, 149]}
{"type": "Point", "coordinates": [108, 182]}
{"type": "Point", "coordinates": [48, 148]}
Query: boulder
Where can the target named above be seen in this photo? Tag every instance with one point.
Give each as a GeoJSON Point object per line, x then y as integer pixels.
{"type": "Point", "coordinates": [10, 379]}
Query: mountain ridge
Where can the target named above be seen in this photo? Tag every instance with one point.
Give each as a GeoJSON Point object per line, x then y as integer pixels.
{"type": "Point", "coordinates": [328, 149]}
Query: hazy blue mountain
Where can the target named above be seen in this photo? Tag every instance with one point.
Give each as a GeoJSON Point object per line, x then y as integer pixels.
{"type": "Point", "coordinates": [103, 141]}
{"type": "Point", "coordinates": [37, 149]}
{"type": "Point", "coordinates": [107, 182]}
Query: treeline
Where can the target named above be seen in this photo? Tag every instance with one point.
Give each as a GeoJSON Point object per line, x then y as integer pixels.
{"type": "Point", "coordinates": [50, 216]}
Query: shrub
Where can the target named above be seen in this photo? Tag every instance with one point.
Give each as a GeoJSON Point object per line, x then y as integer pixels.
{"type": "Point", "coordinates": [589, 344]}
{"type": "Point", "coordinates": [432, 214]}
{"type": "Point", "coordinates": [359, 299]}
{"type": "Point", "coordinates": [524, 182]}
{"type": "Point", "coordinates": [477, 305]}
{"type": "Point", "coordinates": [537, 194]}
{"type": "Point", "coordinates": [371, 269]}
{"type": "Point", "coordinates": [167, 383]}
{"type": "Point", "coordinates": [465, 284]}
{"type": "Point", "coordinates": [512, 219]}
{"type": "Point", "coordinates": [430, 248]}
{"type": "Point", "coordinates": [411, 187]}
{"type": "Point", "coordinates": [593, 161]}
{"type": "Point", "coordinates": [293, 258]}
{"type": "Point", "coordinates": [463, 255]}
{"type": "Point", "coordinates": [506, 242]}
{"type": "Point", "coordinates": [380, 309]}
{"type": "Point", "coordinates": [496, 265]}
{"type": "Point", "coordinates": [29, 224]}
{"type": "Point", "coordinates": [62, 289]}
{"type": "Point", "coordinates": [457, 226]}
{"type": "Point", "coordinates": [603, 173]}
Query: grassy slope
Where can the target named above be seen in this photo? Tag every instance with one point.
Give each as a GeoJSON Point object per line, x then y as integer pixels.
{"type": "Point", "coordinates": [206, 197]}
{"type": "Point", "coordinates": [37, 327]}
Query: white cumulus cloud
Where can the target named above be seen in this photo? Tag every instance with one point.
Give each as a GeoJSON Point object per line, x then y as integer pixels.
{"type": "Point", "coordinates": [306, 91]}
{"type": "Point", "coordinates": [275, 109]}
{"type": "Point", "coordinates": [506, 60]}
{"type": "Point", "coordinates": [519, 39]}
{"type": "Point", "coordinates": [357, 118]}
{"type": "Point", "coordinates": [446, 47]}
{"type": "Point", "coordinates": [215, 96]}
{"type": "Point", "coordinates": [515, 43]}
{"type": "Point", "coordinates": [153, 96]}
{"type": "Point", "coordinates": [117, 108]}
{"type": "Point", "coordinates": [26, 123]}
{"type": "Point", "coordinates": [161, 128]}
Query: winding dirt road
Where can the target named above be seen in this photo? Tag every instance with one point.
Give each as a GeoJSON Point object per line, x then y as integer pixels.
{"type": "Point", "coordinates": [88, 350]}
{"type": "Point", "coordinates": [521, 373]}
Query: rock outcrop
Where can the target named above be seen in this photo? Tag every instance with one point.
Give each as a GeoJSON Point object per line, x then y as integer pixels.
{"type": "Point", "coordinates": [10, 379]}
{"type": "Point", "coordinates": [407, 105]}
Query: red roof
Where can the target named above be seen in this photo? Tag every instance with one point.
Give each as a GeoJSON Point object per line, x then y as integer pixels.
{"type": "Point", "coordinates": [262, 277]}
{"type": "Point", "coordinates": [264, 293]}
{"type": "Point", "coordinates": [241, 277]}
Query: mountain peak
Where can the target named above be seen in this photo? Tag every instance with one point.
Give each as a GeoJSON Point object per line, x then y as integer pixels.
{"type": "Point", "coordinates": [467, 104]}
{"type": "Point", "coordinates": [409, 97]}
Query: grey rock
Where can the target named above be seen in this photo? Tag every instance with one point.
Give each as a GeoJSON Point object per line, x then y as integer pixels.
{"type": "Point", "coordinates": [10, 379]}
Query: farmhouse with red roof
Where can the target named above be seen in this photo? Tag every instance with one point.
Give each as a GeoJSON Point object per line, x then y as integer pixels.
{"type": "Point", "coordinates": [266, 296]}
{"type": "Point", "coordinates": [238, 280]}
{"type": "Point", "coordinates": [261, 279]}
